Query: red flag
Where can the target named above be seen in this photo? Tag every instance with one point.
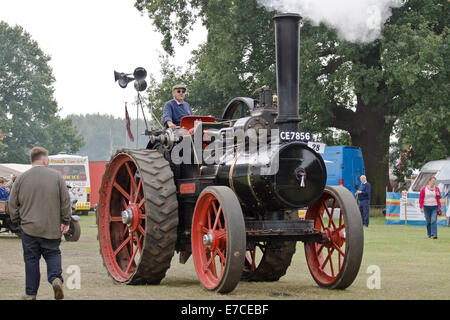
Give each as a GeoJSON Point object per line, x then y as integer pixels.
{"type": "Point", "coordinates": [127, 117]}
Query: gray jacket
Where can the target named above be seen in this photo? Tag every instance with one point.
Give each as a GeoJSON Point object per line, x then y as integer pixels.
{"type": "Point", "coordinates": [40, 203]}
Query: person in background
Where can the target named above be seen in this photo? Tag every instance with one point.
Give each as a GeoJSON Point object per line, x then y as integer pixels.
{"type": "Point", "coordinates": [176, 108]}
{"type": "Point", "coordinates": [363, 195]}
{"type": "Point", "coordinates": [4, 194]}
{"type": "Point", "coordinates": [430, 204]}
{"type": "Point", "coordinates": [9, 184]}
{"type": "Point", "coordinates": [40, 203]}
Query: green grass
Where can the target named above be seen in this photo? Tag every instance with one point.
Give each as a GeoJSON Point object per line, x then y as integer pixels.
{"type": "Point", "coordinates": [412, 267]}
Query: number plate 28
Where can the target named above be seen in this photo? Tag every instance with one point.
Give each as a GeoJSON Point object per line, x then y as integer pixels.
{"type": "Point", "coordinates": [317, 146]}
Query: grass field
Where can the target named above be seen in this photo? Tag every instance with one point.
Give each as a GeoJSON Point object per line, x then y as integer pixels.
{"type": "Point", "coordinates": [411, 267]}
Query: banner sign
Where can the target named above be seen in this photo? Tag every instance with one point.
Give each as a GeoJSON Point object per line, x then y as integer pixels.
{"type": "Point", "coordinates": [406, 210]}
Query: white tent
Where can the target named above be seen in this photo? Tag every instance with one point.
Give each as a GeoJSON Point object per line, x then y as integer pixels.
{"type": "Point", "coordinates": [443, 181]}
{"type": "Point", "coordinates": [6, 169]}
{"type": "Point", "coordinates": [443, 175]}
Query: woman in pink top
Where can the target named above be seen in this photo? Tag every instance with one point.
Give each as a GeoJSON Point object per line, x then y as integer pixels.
{"type": "Point", "coordinates": [430, 202]}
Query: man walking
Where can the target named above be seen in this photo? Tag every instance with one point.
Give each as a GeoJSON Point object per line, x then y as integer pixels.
{"type": "Point", "coordinates": [40, 203]}
{"type": "Point", "coordinates": [363, 195]}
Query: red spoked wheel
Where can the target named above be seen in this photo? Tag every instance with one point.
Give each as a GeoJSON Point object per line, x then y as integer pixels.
{"type": "Point", "coordinates": [335, 261]}
{"type": "Point", "coordinates": [126, 217]}
{"type": "Point", "coordinates": [218, 239]}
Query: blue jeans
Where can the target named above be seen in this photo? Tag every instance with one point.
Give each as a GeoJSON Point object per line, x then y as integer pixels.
{"type": "Point", "coordinates": [431, 218]}
{"type": "Point", "coordinates": [33, 249]}
{"type": "Point", "coordinates": [364, 208]}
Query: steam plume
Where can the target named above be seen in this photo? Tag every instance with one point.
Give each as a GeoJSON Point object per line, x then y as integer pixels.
{"type": "Point", "coordinates": [358, 21]}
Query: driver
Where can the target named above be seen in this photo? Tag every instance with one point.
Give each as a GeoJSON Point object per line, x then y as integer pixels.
{"type": "Point", "coordinates": [176, 108]}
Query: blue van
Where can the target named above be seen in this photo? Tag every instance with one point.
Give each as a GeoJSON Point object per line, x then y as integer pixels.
{"type": "Point", "coordinates": [345, 166]}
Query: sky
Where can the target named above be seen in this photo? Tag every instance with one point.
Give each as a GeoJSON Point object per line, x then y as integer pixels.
{"type": "Point", "coordinates": [87, 40]}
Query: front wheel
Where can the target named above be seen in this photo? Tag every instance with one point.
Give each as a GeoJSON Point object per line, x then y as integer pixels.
{"type": "Point", "coordinates": [334, 262]}
{"type": "Point", "coordinates": [218, 239]}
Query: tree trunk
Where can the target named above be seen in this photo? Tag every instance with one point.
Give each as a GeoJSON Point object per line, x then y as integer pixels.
{"type": "Point", "coordinates": [372, 135]}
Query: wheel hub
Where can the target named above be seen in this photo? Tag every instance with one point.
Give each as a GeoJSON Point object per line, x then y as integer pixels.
{"type": "Point", "coordinates": [131, 216]}
{"type": "Point", "coordinates": [208, 239]}
{"type": "Point", "coordinates": [127, 217]}
{"type": "Point", "coordinates": [330, 236]}
{"type": "Point", "coordinates": [339, 237]}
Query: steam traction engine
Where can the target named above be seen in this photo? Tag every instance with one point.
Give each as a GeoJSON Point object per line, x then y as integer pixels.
{"type": "Point", "coordinates": [237, 215]}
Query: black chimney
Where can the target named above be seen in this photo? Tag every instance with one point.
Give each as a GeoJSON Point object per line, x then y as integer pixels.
{"type": "Point", "coordinates": [287, 39]}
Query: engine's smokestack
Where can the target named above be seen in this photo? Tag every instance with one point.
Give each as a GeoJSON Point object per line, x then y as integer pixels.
{"type": "Point", "coordinates": [287, 40]}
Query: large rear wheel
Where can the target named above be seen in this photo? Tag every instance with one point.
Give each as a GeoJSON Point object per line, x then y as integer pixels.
{"type": "Point", "coordinates": [218, 239]}
{"type": "Point", "coordinates": [137, 217]}
{"type": "Point", "coordinates": [268, 261]}
{"type": "Point", "coordinates": [335, 261]}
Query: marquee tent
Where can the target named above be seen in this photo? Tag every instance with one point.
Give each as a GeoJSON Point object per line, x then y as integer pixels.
{"type": "Point", "coordinates": [6, 169]}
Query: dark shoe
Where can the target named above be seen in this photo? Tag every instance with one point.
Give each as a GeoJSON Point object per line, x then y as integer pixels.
{"type": "Point", "coordinates": [58, 289]}
{"type": "Point", "coordinates": [28, 297]}
{"type": "Point", "coordinates": [433, 237]}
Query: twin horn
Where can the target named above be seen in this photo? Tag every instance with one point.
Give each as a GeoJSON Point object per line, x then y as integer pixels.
{"type": "Point", "coordinates": [139, 76]}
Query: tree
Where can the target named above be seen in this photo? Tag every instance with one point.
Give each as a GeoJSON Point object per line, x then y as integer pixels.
{"type": "Point", "coordinates": [423, 131]}
{"type": "Point", "coordinates": [28, 111]}
{"type": "Point", "coordinates": [105, 134]}
{"type": "Point", "coordinates": [363, 90]}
